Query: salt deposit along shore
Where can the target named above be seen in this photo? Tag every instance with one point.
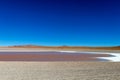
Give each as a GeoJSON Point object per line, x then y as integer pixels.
{"type": "Point", "coordinates": [115, 57]}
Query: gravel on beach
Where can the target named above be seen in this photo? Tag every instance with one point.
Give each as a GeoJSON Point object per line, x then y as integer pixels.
{"type": "Point", "coordinates": [59, 70]}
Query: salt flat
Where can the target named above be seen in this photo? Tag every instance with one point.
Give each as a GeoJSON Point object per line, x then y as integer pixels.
{"type": "Point", "coordinates": [59, 71]}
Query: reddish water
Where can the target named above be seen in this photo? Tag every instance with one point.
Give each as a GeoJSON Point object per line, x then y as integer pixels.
{"type": "Point", "coordinates": [49, 56]}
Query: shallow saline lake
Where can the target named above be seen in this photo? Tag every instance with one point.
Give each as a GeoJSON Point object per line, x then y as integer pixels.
{"type": "Point", "coordinates": [53, 56]}
{"type": "Point", "coordinates": [58, 65]}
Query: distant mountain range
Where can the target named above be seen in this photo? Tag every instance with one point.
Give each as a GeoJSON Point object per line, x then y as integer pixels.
{"type": "Point", "coordinates": [65, 47]}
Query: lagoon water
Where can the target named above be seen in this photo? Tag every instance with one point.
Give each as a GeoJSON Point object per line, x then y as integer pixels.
{"type": "Point", "coordinates": [54, 56]}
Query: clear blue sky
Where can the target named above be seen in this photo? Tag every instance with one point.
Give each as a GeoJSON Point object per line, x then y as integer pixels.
{"type": "Point", "coordinates": [60, 22]}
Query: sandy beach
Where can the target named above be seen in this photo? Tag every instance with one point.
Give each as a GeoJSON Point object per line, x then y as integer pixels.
{"type": "Point", "coordinates": [59, 71]}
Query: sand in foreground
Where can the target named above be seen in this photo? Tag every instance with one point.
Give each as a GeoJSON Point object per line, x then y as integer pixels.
{"type": "Point", "coordinates": [59, 71]}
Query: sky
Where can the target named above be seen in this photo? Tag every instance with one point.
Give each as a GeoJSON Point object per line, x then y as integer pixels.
{"type": "Point", "coordinates": [60, 22]}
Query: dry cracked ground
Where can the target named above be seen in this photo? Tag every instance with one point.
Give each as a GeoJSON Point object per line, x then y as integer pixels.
{"type": "Point", "coordinates": [59, 71]}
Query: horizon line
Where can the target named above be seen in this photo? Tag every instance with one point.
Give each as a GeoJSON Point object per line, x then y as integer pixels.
{"type": "Point", "coordinates": [55, 45]}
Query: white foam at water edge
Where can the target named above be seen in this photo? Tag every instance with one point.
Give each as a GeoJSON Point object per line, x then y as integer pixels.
{"type": "Point", "coordinates": [114, 58]}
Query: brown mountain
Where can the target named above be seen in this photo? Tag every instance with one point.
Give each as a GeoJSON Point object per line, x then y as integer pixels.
{"type": "Point", "coordinates": [66, 47]}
